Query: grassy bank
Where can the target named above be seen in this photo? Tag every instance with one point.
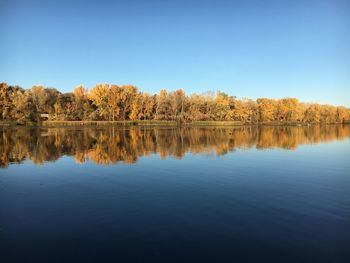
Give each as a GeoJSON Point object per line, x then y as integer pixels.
{"type": "Point", "coordinates": [140, 123]}
{"type": "Point", "coordinates": [290, 123]}
{"type": "Point", "coordinates": [6, 123]}
{"type": "Point", "coordinates": [109, 123]}
{"type": "Point", "coordinates": [122, 123]}
{"type": "Point", "coordinates": [150, 123]}
{"type": "Point", "coordinates": [14, 123]}
{"type": "Point", "coordinates": [217, 123]}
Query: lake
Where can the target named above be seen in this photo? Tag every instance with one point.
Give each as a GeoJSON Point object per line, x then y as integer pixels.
{"type": "Point", "coordinates": [171, 194]}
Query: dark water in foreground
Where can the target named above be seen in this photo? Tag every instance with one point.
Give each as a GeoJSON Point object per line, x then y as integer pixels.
{"type": "Point", "coordinates": [247, 194]}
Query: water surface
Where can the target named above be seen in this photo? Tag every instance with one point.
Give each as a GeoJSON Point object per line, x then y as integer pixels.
{"type": "Point", "coordinates": [207, 194]}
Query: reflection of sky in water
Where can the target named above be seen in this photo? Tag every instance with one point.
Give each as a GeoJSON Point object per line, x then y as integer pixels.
{"type": "Point", "coordinates": [246, 200]}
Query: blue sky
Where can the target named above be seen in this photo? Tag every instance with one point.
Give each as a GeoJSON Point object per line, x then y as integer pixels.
{"type": "Point", "coordinates": [245, 48]}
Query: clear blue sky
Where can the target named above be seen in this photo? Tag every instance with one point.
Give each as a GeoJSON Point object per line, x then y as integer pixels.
{"type": "Point", "coordinates": [245, 48]}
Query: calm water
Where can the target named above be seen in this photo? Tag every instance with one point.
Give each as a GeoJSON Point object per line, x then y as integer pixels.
{"type": "Point", "coordinates": [208, 194]}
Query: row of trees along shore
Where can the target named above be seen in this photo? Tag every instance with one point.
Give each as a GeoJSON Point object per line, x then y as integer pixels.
{"type": "Point", "coordinates": [106, 102]}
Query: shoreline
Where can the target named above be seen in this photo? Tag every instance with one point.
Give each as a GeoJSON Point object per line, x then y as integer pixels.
{"type": "Point", "coordinates": [154, 123]}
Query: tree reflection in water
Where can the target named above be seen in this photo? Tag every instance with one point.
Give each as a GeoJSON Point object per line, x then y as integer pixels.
{"type": "Point", "coordinates": [112, 145]}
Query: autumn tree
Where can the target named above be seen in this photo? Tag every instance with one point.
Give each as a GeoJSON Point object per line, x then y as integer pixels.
{"type": "Point", "coordinates": [312, 113]}
{"type": "Point", "coordinates": [148, 106]}
{"type": "Point", "coordinates": [328, 114]}
{"type": "Point", "coordinates": [128, 95]}
{"type": "Point", "coordinates": [115, 101]}
{"type": "Point", "coordinates": [177, 101]}
{"type": "Point", "coordinates": [24, 108]}
{"type": "Point", "coordinates": [342, 114]}
{"type": "Point", "coordinates": [82, 108]}
{"type": "Point", "coordinates": [99, 95]}
{"type": "Point", "coordinates": [4, 101]}
{"type": "Point", "coordinates": [197, 107]}
{"type": "Point", "coordinates": [266, 109]}
{"type": "Point", "coordinates": [142, 107]}
{"type": "Point", "coordinates": [136, 112]}
{"type": "Point", "coordinates": [64, 107]}
{"type": "Point", "coordinates": [286, 109]}
{"type": "Point", "coordinates": [244, 110]}
{"type": "Point", "coordinates": [222, 106]}
{"type": "Point", "coordinates": [164, 109]}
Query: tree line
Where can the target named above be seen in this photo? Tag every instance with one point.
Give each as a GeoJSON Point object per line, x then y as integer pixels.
{"type": "Point", "coordinates": [105, 102]}
{"type": "Point", "coordinates": [112, 145]}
